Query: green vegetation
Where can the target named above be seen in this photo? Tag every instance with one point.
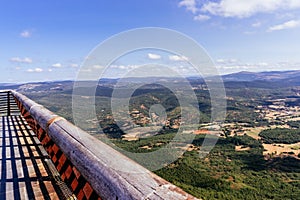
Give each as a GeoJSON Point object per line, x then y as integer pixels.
{"type": "Point", "coordinates": [294, 124]}
{"type": "Point", "coordinates": [226, 173]}
{"type": "Point", "coordinates": [280, 135]}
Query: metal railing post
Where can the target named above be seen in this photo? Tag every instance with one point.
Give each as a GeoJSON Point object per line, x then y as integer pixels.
{"type": "Point", "coordinates": [8, 103]}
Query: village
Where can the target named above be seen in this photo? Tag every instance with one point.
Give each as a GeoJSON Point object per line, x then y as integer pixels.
{"type": "Point", "coordinates": [277, 113]}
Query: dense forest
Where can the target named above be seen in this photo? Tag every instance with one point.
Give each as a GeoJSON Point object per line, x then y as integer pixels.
{"type": "Point", "coordinates": [280, 135]}
{"type": "Point", "coordinates": [226, 173]}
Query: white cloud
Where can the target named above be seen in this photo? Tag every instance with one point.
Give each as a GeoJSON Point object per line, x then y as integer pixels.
{"type": "Point", "coordinates": [288, 65]}
{"type": "Point", "coordinates": [231, 60]}
{"type": "Point", "coordinates": [35, 70]}
{"type": "Point", "coordinates": [86, 70]}
{"type": "Point", "coordinates": [201, 17]}
{"type": "Point", "coordinates": [227, 61]}
{"type": "Point", "coordinates": [240, 67]}
{"type": "Point", "coordinates": [26, 34]}
{"type": "Point", "coordinates": [285, 16]}
{"type": "Point", "coordinates": [154, 56]}
{"type": "Point", "coordinates": [256, 24]}
{"type": "Point", "coordinates": [226, 67]}
{"type": "Point", "coordinates": [74, 65]}
{"type": "Point", "coordinates": [57, 65]}
{"type": "Point", "coordinates": [245, 8]}
{"type": "Point", "coordinates": [27, 60]}
{"type": "Point", "coordinates": [98, 67]}
{"type": "Point", "coordinates": [124, 67]}
{"type": "Point", "coordinates": [21, 60]}
{"type": "Point", "coordinates": [234, 65]}
{"type": "Point", "coordinates": [286, 25]}
{"type": "Point", "coordinates": [263, 64]}
{"type": "Point", "coordinates": [220, 60]}
{"type": "Point", "coordinates": [237, 8]}
{"type": "Point", "coordinates": [178, 58]}
{"type": "Point", "coordinates": [111, 67]}
{"type": "Point", "coordinates": [190, 5]}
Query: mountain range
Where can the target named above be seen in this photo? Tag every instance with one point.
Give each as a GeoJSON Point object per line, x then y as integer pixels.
{"type": "Point", "coordinates": [262, 76]}
{"type": "Point", "coordinates": [271, 79]}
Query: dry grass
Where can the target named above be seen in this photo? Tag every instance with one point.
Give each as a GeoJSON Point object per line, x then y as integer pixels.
{"type": "Point", "coordinates": [278, 149]}
{"type": "Point", "coordinates": [253, 132]}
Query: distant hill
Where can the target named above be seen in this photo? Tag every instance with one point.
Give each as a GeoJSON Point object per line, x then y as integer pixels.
{"type": "Point", "coordinates": [38, 86]}
{"type": "Point", "coordinates": [272, 79]}
{"type": "Point", "coordinates": [262, 76]}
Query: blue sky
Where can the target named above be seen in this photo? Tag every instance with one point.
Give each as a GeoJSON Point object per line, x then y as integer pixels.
{"type": "Point", "coordinates": [48, 40]}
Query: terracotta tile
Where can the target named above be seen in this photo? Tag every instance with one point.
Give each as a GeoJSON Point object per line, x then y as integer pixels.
{"type": "Point", "coordinates": [55, 148]}
{"type": "Point", "coordinates": [88, 190]}
{"type": "Point", "coordinates": [63, 177]}
{"type": "Point", "coordinates": [54, 159]}
{"type": "Point", "coordinates": [62, 159]}
{"type": "Point", "coordinates": [76, 172]}
{"type": "Point", "coordinates": [80, 195]}
{"type": "Point", "coordinates": [68, 171]}
{"type": "Point", "coordinates": [74, 184]}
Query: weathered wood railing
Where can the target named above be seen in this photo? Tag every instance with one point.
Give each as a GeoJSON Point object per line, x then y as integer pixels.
{"type": "Point", "coordinates": [85, 163]}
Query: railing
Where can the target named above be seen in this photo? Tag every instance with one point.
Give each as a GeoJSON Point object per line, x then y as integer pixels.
{"type": "Point", "coordinates": [84, 162]}
{"type": "Point", "coordinates": [7, 104]}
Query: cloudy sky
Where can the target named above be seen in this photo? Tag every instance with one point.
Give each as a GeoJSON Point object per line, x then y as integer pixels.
{"type": "Point", "coordinates": [49, 40]}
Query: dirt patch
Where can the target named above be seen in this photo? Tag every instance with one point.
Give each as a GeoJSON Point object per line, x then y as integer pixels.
{"type": "Point", "coordinates": [205, 131]}
{"type": "Point", "coordinates": [130, 138]}
{"type": "Point", "coordinates": [242, 148]}
{"type": "Point", "coordinates": [237, 186]}
{"type": "Point", "coordinates": [146, 147]}
{"type": "Point", "coordinates": [192, 147]}
{"type": "Point", "coordinates": [159, 144]}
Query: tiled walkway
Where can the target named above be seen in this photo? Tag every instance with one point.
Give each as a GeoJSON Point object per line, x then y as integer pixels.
{"type": "Point", "coordinates": [26, 170]}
